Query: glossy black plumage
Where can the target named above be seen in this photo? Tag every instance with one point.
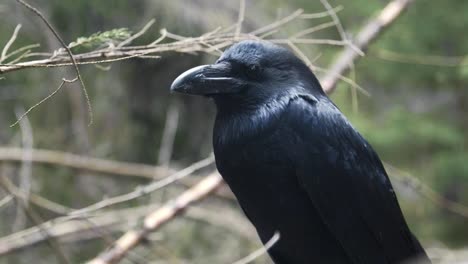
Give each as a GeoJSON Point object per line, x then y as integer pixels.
{"type": "Point", "coordinates": [296, 165]}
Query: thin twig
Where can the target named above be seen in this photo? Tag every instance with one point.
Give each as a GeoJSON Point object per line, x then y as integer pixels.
{"type": "Point", "coordinates": [70, 54]}
{"type": "Point", "coordinates": [25, 170]}
{"type": "Point", "coordinates": [156, 219]}
{"type": "Point", "coordinates": [338, 77]}
{"type": "Point", "coordinates": [310, 41]}
{"type": "Point", "coordinates": [41, 201]}
{"type": "Point", "coordinates": [431, 60]}
{"type": "Point", "coordinates": [240, 18]}
{"type": "Point", "coordinates": [9, 43]}
{"type": "Point", "coordinates": [5, 200]}
{"type": "Point", "coordinates": [42, 101]}
{"type": "Point", "coordinates": [147, 189]}
{"type": "Point", "coordinates": [366, 35]}
{"type": "Point", "coordinates": [27, 47]}
{"type": "Point", "coordinates": [100, 166]}
{"type": "Point", "coordinates": [138, 34]}
{"type": "Point", "coordinates": [20, 57]}
{"type": "Point", "coordinates": [321, 14]}
{"type": "Point", "coordinates": [168, 137]}
{"type": "Point", "coordinates": [426, 191]}
{"type": "Point", "coordinates": [86, 163]}
{"type": "Point", "coordinates": [278, 23]}
{"type": "Point", "coordinates": [257, 253]}
{"type": "Point", "coordinates": [339, 27]}
{"type": "Point", "coordinates": [313, 29]}
{"type": "Point", "coordinates": [208, 42]}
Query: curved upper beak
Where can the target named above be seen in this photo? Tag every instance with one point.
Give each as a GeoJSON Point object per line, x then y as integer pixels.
{"type": "Point", "coordinates": [206, 80]}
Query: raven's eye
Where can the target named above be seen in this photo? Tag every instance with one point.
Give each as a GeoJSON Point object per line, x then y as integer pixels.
{"type": "Point", "coordinates": [253, 70]}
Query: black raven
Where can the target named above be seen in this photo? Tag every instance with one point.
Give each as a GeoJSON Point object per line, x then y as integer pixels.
{"type": "Point", "coordinates": [295, 163]}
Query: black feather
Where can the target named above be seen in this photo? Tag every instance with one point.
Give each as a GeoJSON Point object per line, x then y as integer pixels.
{"type": "Point", "coordinates": [298, 167]}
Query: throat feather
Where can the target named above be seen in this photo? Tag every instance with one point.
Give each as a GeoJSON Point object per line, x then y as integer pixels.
{"type": "Point", "coordinates": [241, 127]}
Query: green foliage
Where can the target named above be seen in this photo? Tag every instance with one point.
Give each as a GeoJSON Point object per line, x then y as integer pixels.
{"type": "Point", "coordinates": [101, 38]}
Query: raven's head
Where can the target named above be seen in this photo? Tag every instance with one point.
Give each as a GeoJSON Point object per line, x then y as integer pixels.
{"type": "Point", "coordinates": [249, 72]}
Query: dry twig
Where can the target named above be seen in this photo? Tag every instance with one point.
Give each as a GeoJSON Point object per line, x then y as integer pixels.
{"type": "Point", "coordinates": [25, 171]}
{"type": "Point", "coordinates": [86, 163]}
{"type": "Point", "coordinates": [105, 166]}
{"type": "Point", "coordinates": [157, 218]}
{"type": "Point", "coordinates": [366, 35]}
{"type": "Point", "coordinates": [169, 132]}
{"type": "Point", "coordinates": [257, 253]}
{"type": "Point", "coordinates": [3, 56]}
{"type": "Point", "coordinates": [92, 226]}
{"type": "Point", "coordinates": [147, 189]}
{"type": "Point", "coordinates": [70, 54]}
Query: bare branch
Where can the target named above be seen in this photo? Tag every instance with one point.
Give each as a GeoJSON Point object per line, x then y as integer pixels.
{"type": "Point", "coordinates": [141, 191]}
{"type": "Point", "coordinates": [426, 191]}
{"type": "Point", "coordinates": [313, 29]}
{"type": "Point", "coordinates": [5, 200]}
{"type": "Point", "coordinates": [208, 42]}
{"type": "Point", "coordinates": [278, 23]}
{"type": "Point", "coordinates": [138, 34]}
{"type": "Point", "coordinates": [110, 167]}
{"type": "Point", "coordinates": [432, 60]}
{"type": "Point", "coordinates": [42, 101]}
{"type": "Point", "coordinates": [339, 27]}
{"type": "Point", "coordinates": [257, 253]}
{"type": "Point", "coordinates": [157, 218]}
{"type": "Point", "coordinates": [70, 54]}
{"type": "Point", "coordinates": [40, 201]}
{"type": "Point", "coordinates": [108, 222]}
{"type": "Point", "coordinates": [25, 171]}
{"type": "Point", "coordinates": [86, 163]}
{"type": "Point", "coordinates": [240, 18]}
{"type": "Point", "coordinates": [9, 43]}
{"type": "Point", "coordinates": [169, 132]}
{"type": "Point", "coordinates": [22, 49]}
{"type": "Point", "coordinates": [321, 14]}
{"type": "Point", "coordinates": [366, 35]}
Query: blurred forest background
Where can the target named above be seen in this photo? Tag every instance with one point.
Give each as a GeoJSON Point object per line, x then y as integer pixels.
{"type": "Point", "coordinates": [416, 74]}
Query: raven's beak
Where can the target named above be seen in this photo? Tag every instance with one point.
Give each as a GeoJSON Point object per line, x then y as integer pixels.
{"type": "Point", "coordinates": [207, 80]}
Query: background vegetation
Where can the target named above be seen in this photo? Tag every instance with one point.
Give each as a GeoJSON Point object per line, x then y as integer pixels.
{"type": "Point", "coordinates": [415, 117]}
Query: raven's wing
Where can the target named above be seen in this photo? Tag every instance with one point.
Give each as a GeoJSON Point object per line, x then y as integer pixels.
{"type": "Point", "coordinates": [347, 184]}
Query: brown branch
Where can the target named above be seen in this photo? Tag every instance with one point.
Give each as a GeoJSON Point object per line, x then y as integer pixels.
{"type": "Point", "coordinates": [72, 230]}
{"type": "Point", "coordinates": [263, 250]}
{"type": "Point", "coordinates": [424, 190]}
{"type": "Point", "coordinates": [157, 218]}
{"type": "Point", "coordinates": [431, 60]}
{"type": "Point", "coordinates": [3, 55]}
{"type": "Point", "coordinates": [105, 166]}
{"type": "Point", "coordinates": [366, 35]}
{"type": "Point", "coordinates": [147, 189]}
{"type": "Point", "coordinates": [204, 43]}
{"type": "Point", "coordinates": [109, 222]}
{"type": "Point", "coordinates": [169, 132]}
{"type": "Point", "coordinates": [86, 163]}
{"type": "Point", "coordinates": [25, 172]}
